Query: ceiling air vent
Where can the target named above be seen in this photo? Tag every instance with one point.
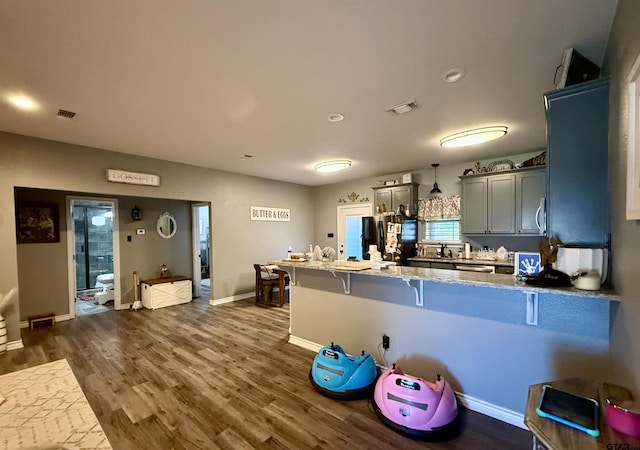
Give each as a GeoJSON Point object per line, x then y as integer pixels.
{"type": "Point", "coordinates": [66, 114]}
{"type": "Point", "coordinates": [403, 108]}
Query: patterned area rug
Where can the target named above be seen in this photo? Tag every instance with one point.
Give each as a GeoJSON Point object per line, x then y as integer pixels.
{"type": "Point", "coordinates": [44, 407]}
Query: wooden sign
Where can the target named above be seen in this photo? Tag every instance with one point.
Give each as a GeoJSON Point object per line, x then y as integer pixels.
{"type": "Point", "coordinates": [122, 176]}
{"type": "Point", "coordinates": [270, 214]}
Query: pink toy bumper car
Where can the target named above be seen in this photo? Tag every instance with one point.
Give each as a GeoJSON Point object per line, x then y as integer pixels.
{"type": "Point", "coordinates": [413, 407]}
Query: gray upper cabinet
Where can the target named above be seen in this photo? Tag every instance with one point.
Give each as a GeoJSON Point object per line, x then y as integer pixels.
{"type": "Point", "coordinates": [474, 206]}
{"type": "Point", "coordinates": [503, 203]}
{"type": "Point", "coordinates": [501, 197]}
{"type": "Point", "coordinates": [396, 195]}
{"type": "Point", "coordinates": [578, 185]}
{"type": "Point", "coordinates": [488, 204]}
{"type": "Point", "coordinates": [531, 187]}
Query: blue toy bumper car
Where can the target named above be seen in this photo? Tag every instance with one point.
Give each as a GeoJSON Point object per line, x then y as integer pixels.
{"type": "Point", "coordinates": [338, 375]}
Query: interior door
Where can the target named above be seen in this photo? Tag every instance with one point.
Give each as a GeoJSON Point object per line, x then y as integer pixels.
{"type": "Point", "coordinates": [350, 229]}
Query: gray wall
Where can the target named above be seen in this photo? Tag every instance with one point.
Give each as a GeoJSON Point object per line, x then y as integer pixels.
{"type": "Point", "coordinates": [623, 49]}
{"type": "Point", "coordinates": [43, 269]}
{"type": "Point", "coordinates": [237, 242]}
{"type": "Point", "coordinates": [475, 336]}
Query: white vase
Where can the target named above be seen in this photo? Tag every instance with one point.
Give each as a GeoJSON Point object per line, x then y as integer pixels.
{"type": "Point", "coordinates": [3, 335]}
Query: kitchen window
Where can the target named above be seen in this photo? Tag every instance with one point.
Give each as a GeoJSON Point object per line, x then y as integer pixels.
{"type": "Point", "coordinates": [440, 230]}
{"type": "Point", "coordinates": [440, 216]}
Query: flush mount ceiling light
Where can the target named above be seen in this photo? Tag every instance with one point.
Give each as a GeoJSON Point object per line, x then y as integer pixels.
{"type": "Point", "coordinates": [436, 189]}
{"type": "Point", "coordinates": [404, 108]}
{"type": "Point", "coordinates": [453, 75]}
{"type": "Point", "coordinates": [473, 137]}
{"type": "Point", "coordinates": [333, 166]}
{"type": "Point", "coordinates": [335, 117]}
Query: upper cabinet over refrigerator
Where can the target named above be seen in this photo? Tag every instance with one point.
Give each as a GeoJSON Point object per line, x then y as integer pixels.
{"type": "Point", "coordinates": [577, 155]}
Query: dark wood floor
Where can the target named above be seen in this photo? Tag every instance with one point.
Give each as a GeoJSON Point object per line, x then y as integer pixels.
{"type": "Point", "coordinates": [205, 377]}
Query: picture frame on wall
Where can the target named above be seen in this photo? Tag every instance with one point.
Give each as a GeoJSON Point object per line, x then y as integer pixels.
{"type": "Point", "coordinates": [37, 223]}
{"type": "Point", "coordinates": [633, 149]}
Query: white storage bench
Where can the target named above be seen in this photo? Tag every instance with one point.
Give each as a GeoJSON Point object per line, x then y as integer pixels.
{"type": "Point", "coordinates": [162, 292]}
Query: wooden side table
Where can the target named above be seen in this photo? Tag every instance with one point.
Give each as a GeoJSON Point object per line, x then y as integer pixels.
{"type": "Point", "coordinates": [549, 434]}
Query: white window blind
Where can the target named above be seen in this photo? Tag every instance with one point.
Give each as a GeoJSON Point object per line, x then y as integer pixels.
{"type": "Point", "coordinates": [442, 230]}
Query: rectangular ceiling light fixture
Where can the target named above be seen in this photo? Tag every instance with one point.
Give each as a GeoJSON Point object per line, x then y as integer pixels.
{"type": "Point", "coordinates": [404, 108]}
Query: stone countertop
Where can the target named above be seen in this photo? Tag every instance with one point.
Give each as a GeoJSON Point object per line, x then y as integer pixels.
{"type": "Point", "coordinates": [484, 262]}
{"type": "Point", "coordinates": [450, 276]}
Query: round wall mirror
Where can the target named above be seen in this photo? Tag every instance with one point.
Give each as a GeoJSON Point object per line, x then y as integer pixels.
{"type": "Point", "coordinates": [166, 225]}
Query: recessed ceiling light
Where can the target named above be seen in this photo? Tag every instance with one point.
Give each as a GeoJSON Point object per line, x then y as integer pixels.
{"type": "Point", "coordinates": [473, 137]}
{"type": "Point", "coordinates": [335, 117]}
{"type": "Point", "coordinates": [453, 75]}
{"type": "Point", "coordinates": [23, 102]}
{"type": "Point", "coordinates": [333, 166]}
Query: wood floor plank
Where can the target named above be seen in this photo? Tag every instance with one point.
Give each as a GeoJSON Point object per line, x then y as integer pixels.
{"type": "Point", "coordinates": [196, 376]}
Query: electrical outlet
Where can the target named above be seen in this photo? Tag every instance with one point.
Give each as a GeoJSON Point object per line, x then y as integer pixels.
{"type": "Point", "coordinates": [385, 341]}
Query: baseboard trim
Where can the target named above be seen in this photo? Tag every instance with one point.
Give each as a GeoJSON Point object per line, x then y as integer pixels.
{"type": "Point", "coordinates": [472, 403]}
{"type": "Point", "coordinates": [15, 345]}
{"type": "Point", "coordinates": [304, 343]}
{"type": "Point", "coordinates": [233, 298]}
{"type": "Point", "coordinates": [489, 409]}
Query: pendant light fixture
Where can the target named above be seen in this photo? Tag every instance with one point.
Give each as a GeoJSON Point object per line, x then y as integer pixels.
{"type": "Point", "coordinates": [436, 189]}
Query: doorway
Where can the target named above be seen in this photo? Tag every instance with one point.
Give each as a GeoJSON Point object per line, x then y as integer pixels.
{"type": "Point", "coordinates": [350, 230]}
{"type": "Point", "coordinates": [93, 255]}
{"type": "Point", "coordinates": [202, 275]}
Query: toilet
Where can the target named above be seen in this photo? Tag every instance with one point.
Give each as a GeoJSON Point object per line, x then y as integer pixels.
{"type": "Point", "coordinates": [104, 281]}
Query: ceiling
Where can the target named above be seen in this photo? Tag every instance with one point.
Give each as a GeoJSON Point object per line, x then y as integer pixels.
{"type": "Point", "coordinates": [208, 82]}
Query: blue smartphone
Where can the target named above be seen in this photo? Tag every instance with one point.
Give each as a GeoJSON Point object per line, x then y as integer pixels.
{"type": "Point", "coordinates": [577, 412]}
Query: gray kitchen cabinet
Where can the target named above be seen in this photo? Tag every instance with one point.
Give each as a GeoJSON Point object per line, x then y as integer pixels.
{"type": "Point", "coordinates": [396, 195]}
{"type": "Point", "coordinates": [577, 154]}
{"type": "Point", "coordinates": [474, 206]}
{"type": "Point", "coordinates": [488, 204]}
{"type": "Point", "coordinates": [501, 196]}
{"type": "Point", "coordinates": [531, 188]}
{"type": "Point", "coordinates": [503, 203]}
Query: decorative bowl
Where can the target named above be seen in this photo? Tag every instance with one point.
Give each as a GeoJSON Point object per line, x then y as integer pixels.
{"type": "Point", "coordinates": [624, 417]}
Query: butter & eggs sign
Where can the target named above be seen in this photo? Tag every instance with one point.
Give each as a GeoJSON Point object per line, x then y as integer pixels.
{"type": "Point", "coordinates": [266, 213]}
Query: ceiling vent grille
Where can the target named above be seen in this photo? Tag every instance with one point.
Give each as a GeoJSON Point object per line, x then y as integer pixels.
{"type": "Point", "coordinates": [66, 114]}
{"type": "Point", "coordinates": [403, 108]}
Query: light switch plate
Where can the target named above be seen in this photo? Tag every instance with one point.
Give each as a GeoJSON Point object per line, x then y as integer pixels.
{"type": "Point", "coordinates": [140, 231]}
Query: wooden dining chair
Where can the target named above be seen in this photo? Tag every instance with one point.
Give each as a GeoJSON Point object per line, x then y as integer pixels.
{"type": "Point", "coordinates": [266, 281]}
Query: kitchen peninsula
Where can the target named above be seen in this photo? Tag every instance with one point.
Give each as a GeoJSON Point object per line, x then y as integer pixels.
{"type": "Point", "coordinates": [488, 334]}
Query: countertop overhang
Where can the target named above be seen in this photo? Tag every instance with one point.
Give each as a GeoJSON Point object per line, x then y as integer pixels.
{"type": "Point", "coordinates": [451, 277]}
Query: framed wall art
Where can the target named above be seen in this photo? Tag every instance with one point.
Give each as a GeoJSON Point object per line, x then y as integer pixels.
{"type": "Point", "coordinates": [37, 223]}
{"type": "Point", "coordinates": [633, 149]}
